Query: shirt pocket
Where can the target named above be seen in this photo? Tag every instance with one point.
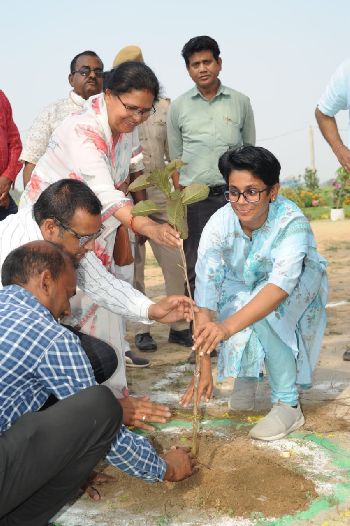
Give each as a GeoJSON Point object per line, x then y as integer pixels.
{"type": "Point", "coordinates": [229, 132]}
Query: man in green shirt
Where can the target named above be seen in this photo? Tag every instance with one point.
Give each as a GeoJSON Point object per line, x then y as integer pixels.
{"type": "Point", "coordinates": [202, 124]}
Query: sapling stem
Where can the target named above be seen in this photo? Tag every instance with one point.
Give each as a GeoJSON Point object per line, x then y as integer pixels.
{"type": "Point", "coordinates": [197, 369]}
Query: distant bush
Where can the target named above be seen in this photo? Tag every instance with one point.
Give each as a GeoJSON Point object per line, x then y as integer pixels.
{"type": "Point", "coordinates": [304, 198]}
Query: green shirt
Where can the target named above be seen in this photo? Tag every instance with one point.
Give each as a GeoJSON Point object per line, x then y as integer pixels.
{"type": "Point", "coordinates": [200, 130]}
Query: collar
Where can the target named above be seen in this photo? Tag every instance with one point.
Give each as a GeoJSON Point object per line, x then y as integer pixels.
{"type": "Point", "coordinates": [222, 90]}
{"type": "Point", "coordinates": [77, 99]}
{"type": "Point", "coordinates": [20, 295]}
{"type": "Point", "coordinates": [29, 213]}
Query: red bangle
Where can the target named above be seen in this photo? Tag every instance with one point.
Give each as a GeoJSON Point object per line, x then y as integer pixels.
{"type": "Point", "coordinates": [131, 224]}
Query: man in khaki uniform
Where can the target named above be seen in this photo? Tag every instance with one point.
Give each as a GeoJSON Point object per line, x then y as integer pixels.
{"type": "Point", "coordinates": [153, 139]}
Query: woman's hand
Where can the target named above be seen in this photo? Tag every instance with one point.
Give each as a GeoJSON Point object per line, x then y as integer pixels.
{"type": "Point", "coordinates": [205, 387]}
{"type": "Point", "coordinates": [163, 233]}
{"type": "Point", "coordinates": [206, 337]}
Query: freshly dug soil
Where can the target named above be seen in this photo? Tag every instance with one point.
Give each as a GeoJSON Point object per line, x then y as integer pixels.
{"type": "Point", "coordinates": [233, 477]}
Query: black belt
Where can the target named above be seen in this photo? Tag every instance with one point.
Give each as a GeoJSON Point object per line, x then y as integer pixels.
{"type": "Point", "coordinates": [217, 190]}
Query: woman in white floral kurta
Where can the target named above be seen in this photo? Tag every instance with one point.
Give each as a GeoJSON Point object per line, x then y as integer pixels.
{"type": "Point", "coordinates": [100, 147]}
{"type": "Point", "coordinates": [259, 270]}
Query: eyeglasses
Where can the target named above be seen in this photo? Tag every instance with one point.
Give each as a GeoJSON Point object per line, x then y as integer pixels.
{"type": "Point", "coordinates": [252, 195]}
{"type": "Point", "coordinates": [85, 71]}
{"type": "Point", "coordinates": [82, 239]}
{"type": "Point", "coordinates": [134, 110]}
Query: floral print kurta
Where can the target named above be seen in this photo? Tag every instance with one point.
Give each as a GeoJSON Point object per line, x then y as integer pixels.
{"type": "Point", "coordinates": [82, 147]}
{"type": "Point", "coordinates": [232, 268]}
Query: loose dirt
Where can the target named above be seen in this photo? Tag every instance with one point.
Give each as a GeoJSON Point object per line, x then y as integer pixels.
{"type": "Point", "coordinates": [233, 477]}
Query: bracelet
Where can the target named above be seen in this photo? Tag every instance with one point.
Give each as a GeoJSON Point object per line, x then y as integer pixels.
{"type": "Point", "coordinates": [131, 224]}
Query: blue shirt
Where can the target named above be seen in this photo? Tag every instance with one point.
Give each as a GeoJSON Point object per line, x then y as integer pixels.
{"type": "Point", "coordinates": [39, 357]}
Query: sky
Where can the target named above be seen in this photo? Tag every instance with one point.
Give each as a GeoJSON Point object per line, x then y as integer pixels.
{"type": "Point", "coordinates": [281, 53]}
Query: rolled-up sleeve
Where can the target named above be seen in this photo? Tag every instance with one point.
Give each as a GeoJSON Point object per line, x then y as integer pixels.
{"type": "Point", "coordinates": [248, 130]}
{"type": "Point", "coordinates": [134, 455]}
{"type": "Point", "coordinates": [337, 94]}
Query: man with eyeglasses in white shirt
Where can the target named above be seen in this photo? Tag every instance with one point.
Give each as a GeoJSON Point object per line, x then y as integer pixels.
{"type": "Point", "coordinates": [86, 77]}
{"type": "Point", "coordinates": [68, 214]}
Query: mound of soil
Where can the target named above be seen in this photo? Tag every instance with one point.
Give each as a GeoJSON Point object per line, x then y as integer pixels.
{"type": "Point", "coordinates": [233, 477]}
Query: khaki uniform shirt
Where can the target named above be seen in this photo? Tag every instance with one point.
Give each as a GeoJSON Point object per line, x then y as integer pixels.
{"type": "Point", "coordinates": [153, 138]}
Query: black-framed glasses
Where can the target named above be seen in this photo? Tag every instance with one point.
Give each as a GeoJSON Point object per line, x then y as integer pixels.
{"type": "Point", "coordinates": [82, 239]}
{"type": "Point", "coordinates": [134, 110]}
{"type": "Point", "coordinates": [85, 71]}
{"type": "Point", "coordinates": [252, 195]}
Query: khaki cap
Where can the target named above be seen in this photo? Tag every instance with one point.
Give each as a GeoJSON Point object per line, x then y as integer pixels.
{"type": "Point", "coordinates": [128, 53]}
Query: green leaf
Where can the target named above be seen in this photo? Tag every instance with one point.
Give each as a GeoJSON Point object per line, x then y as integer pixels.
{"type": "Point", "coordinates": [145, 208]}
{"type": "Point", "coordinates": [174, 165]}
{"type": "Point", "coordinates": [176, 194]}
{"type": "Point", "coordinates": [177, 215]}
{"type": "Point", "coordinates": [160, 179]}
{"type": "Point", "coordinates": [140, 183]}
{"type": "Point", "coordinates": [194, 192]}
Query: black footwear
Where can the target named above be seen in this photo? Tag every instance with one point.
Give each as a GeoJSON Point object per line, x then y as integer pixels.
{"type": "Point", "coordinates": [346, 356]}
{"type": "Point", "coordinates": [181, 337]}
{"type": "Point", "coordinates": [144, 342]}
{"type": "Point", "coordinates": [132, 360]}
{"type": "Point", "coordinates": [192, 357]}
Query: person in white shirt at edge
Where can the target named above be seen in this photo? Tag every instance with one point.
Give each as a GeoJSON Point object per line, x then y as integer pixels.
{"type": "Point", "coordinates": [68, 214]}
{"type": "Point", "coordinates": [97, 146]}
{"type": "Point", "coordinates": [86, 77]}
{"type": "Point", "coordinates": [335, 98]}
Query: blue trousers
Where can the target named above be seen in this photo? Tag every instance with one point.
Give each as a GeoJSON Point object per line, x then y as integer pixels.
{"type": "Point", "coordinates": [281, 366]}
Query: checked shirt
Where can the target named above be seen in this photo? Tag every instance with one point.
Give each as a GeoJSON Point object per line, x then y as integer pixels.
{"type": "Point", "coordinates": [39, 357]}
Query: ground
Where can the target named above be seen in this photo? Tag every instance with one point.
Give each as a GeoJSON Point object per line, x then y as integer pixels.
{"type": "Point", "coordinates": [304, 479]}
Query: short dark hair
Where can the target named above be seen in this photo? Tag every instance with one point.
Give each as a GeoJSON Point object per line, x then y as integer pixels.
{"type": "Point", "coordinates": [31, 260]}
{"type": "Point", "coordinates": [202, 43]}
{"type": "Point", "coordinates": [60, 200]}
{"type": "Point", "coordinates": [87, 52]}
{"type": "Point", "coordinates": [131, 75]}
{"type": "Point", "coordinates": [255, 159]}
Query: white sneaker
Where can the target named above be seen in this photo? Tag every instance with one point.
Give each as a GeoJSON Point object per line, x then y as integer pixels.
{"type": "Point", "coordinates": [279, 422]}
{"type": "Point", "coordinates": [243, 394]}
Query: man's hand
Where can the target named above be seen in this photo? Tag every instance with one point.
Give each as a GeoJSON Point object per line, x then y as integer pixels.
{"type": "Point", "coordinates": [206, 337]}
{"type": "Point", "coordinates": [172, 309]}
{"type": "Point", "coordinates": [5, 185]}
{"type": "Point", "coordinates": [179, 464]}
{"type": "Point", "coordinates": [138, 411]}
{"type": "Point", "coordinates": [5, 201]}
{"type": "Point", "coordinates": [329, 129]}
{"type": "Point", "coordinates": [343, 156]}
{"type": "Point", "coordinates": [205, 387]}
